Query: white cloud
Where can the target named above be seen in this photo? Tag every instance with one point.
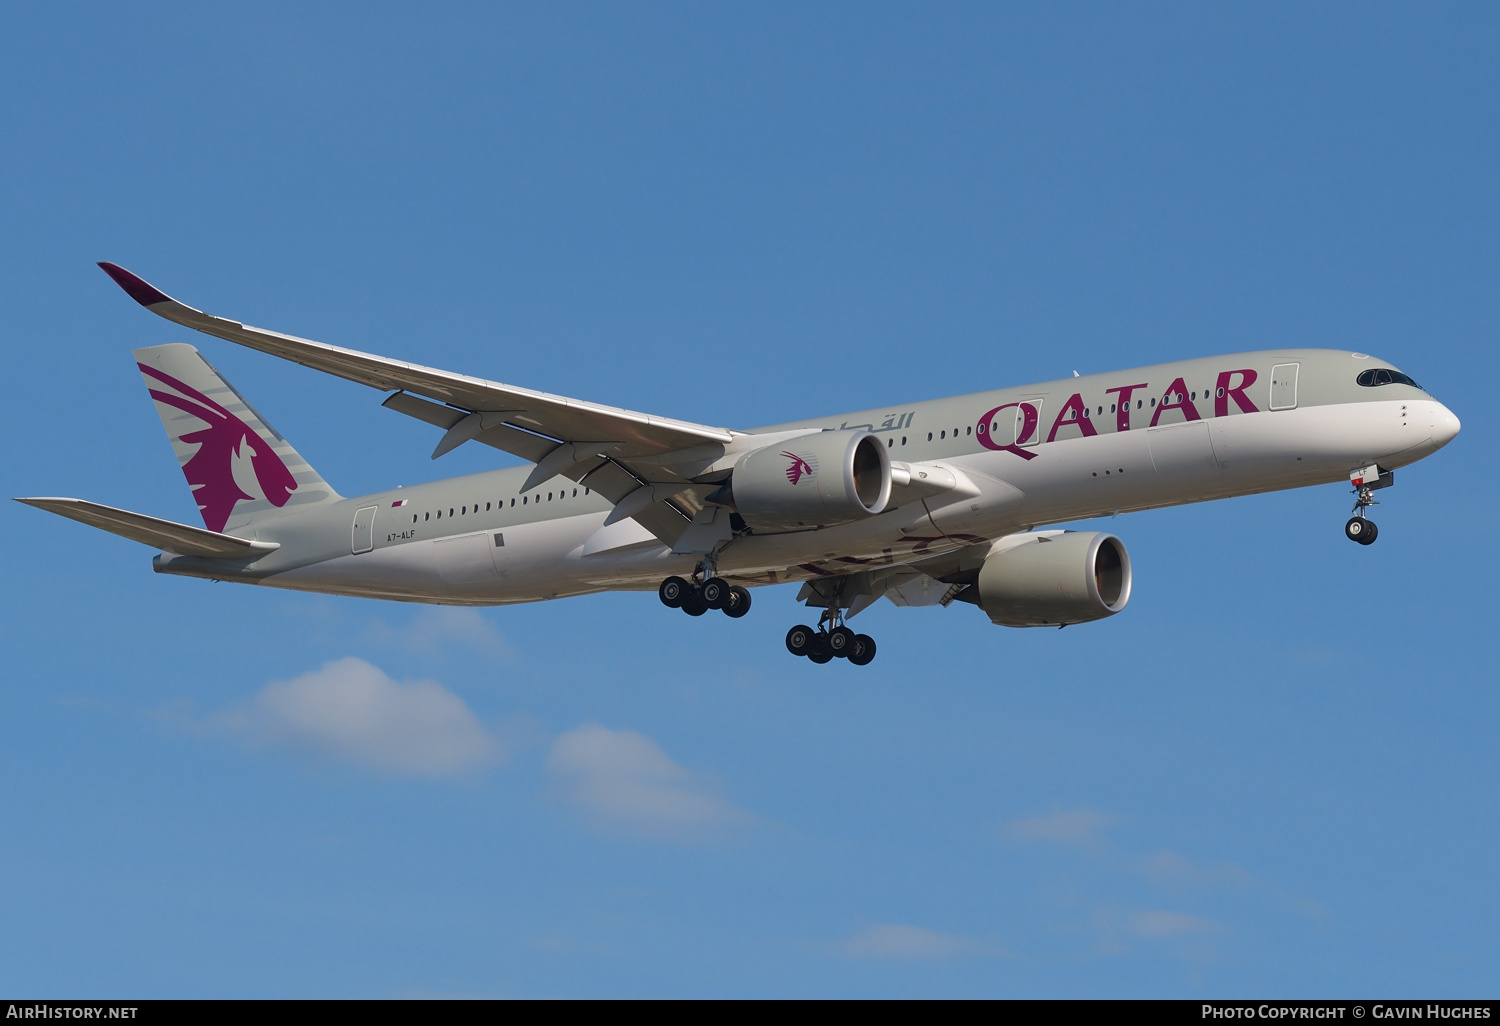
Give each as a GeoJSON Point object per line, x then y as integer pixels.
{"type": "Point", "coordinates": [436, 629]}
{"type": "Point", "coordinates": [622, 781]}
{"type": "Point", "coordinates": [1149, 924]}
{"type": "Point", "coordinates": [1154, 923]}
{"type": "Point", "coordinates": [350, 710]}
{"type": "Point", "coordinates": [897, 941]}
{"type": "Point", "coordinates": [1081, 826]}
{"type": "Point", "coordinates": [1170, 867]}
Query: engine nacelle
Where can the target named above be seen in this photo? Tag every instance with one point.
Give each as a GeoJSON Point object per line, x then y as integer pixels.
{"type": "Point", "coordinates": [1052, 578]}
{"type": "Point", "coordinates": [832, 477]}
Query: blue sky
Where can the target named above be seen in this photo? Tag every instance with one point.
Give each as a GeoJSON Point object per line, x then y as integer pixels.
{"type": "Point", "coordinates": [1274, 773]}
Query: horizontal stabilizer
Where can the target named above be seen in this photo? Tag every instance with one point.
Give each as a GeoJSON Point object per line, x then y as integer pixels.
{"type": "Point", "coordinates": [163, 534]}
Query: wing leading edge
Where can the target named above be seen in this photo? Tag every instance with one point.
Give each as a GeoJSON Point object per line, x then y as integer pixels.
{"type": "Point", "coordinates": [614, 451]}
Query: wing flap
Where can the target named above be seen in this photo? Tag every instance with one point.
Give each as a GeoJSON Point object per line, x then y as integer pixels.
{"type": "Point", "coordinates": [163, 534]}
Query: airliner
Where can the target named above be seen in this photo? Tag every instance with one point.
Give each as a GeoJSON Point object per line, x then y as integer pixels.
{"type": "Point", "coordinates": [923, 503]}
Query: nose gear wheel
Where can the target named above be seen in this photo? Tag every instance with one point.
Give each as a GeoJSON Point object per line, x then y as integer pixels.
{"type": "Point", "coordinates": [1360, 528]}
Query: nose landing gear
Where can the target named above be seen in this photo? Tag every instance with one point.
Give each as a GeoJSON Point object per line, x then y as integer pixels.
{"type": "Point", "coordinates": [1361, 530]}
{"type": "Point", "coordinates": [1365, 480]}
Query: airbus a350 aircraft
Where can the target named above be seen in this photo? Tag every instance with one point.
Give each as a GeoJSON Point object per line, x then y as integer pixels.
{"type": "Point", "coordinates": [926, 503]}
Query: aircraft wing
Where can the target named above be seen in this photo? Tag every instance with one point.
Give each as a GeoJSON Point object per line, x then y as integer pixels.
{"type": "Point", "coordinates": [616, 452]}
{"type": "Point", "coordinates": [164, 534]}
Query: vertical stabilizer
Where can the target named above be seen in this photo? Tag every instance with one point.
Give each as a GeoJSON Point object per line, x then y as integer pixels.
{"type": "Point", "coordinates": [238, 467]}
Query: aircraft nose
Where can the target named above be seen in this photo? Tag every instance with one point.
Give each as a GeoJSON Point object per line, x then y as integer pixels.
{"type": "Point", "coordinates": [1445, 426]}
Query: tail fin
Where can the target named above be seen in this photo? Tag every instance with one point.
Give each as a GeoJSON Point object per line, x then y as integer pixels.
{"type": "Point", "coordinates": [237, 465]}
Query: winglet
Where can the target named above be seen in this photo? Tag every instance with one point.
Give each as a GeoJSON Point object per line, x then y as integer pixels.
{"type": "Point", "coordinates": [137, 289]}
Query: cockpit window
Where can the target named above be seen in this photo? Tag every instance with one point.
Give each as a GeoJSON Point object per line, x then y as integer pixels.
{"type": "Point", "coordinates": [1384, 376]}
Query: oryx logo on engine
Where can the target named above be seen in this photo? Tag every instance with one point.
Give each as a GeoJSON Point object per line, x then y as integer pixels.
{"type": "Point", "coordinates": [799, 468]}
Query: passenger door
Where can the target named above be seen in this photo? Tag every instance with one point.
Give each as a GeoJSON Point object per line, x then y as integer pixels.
{"type": "Point", "coordinates": [1284, 386]}
{"type": "Point", "coordinates": [362, 538]}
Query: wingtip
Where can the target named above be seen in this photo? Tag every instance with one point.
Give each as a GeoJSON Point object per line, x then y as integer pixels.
{"type": "Point", "coordinates": [136, 288]}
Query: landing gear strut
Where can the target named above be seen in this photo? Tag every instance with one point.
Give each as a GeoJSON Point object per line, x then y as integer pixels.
{"type": "Point", "coordinates": [703, 593]}
{"type": "Point", "coordinates": [831, 639]}
{"type": "Point", "coordinates": [1359, 528]}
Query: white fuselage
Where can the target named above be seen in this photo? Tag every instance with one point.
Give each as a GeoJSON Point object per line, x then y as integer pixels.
{"type": "Point", "coordinates": [475, 541]}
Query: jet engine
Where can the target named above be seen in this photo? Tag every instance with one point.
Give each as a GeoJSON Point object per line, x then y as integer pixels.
{"type": "Point", "coordinates": [817, 480]}
{"type": "Point", "coordinates": [1054, 578]}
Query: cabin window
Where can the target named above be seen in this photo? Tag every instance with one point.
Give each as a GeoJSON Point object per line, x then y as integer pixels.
{"type": "Point", "coordinates": [464, 510]}
{"type": "Point", "coordinates": [523, 499]}
{"type": "Point", "coordinates": [1153, 400]}
{"type": "Point", "coordinates": [1221, 393]}
{"type": "Point", "coordinates": [966, 430]}
{"type": "Point", "coordinates": [585, 491]}
{"type": "Point", "coordinates": [414, 518]}
{"type": "Point", "coordinates": [942, 435]}
{"type": "Point", "coordinates": [929, 436]}
{"type": "Point", "coordinates": [1111, 407]}
{"type": "Point", "coordinates": [486, 507]}
{"type": "Point", "coordinates": [549, 496]}
{"type": "Point", "coordinates": [575, 493]}
{"type": "Point", "coordinates": [903, 439]}
{"type": "Point", "coordinates": [1139, 404]}
{"type": "Point", "coordinates": [512, 502]}
{"type": "Point", "coordinates": [428, 515]}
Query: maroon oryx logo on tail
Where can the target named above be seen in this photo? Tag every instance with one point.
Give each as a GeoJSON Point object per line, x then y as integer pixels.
{"type": "Point", "coordinates": [210, 470]}
{"type": "Point", "coordinates": [799, 467]}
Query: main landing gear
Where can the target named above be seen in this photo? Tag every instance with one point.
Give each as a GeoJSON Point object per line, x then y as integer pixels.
{"type": "Point", "coordinates": [823, 645]}
{"type": "Point", "coordinates": [1365, 480]}
{"type": "Point", "coordinates": [697, 599]}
